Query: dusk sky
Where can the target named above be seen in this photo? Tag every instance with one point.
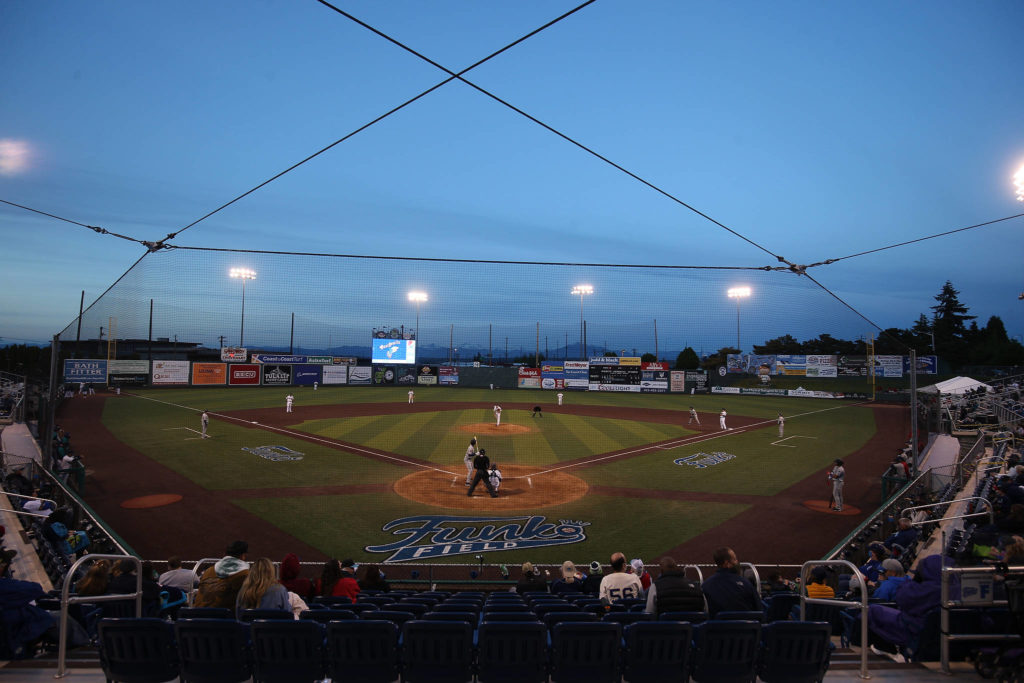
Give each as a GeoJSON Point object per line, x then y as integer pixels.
{"type": "Point", "coordinates": [817, 130]}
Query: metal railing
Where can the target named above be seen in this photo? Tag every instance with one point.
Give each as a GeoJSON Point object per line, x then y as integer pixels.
{"type": "Point", "coordinates": [26, 512]}
{"type": "Point", "coordinates": [862, 603]}
{"type": "Point", "coordinates": [990, 513]}
{"type": "Point", "coordinates": [945, 636]}
{"type": "Point", "coordinates": [66, 599]}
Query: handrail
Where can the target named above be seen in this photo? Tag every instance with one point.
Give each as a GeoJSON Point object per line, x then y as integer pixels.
{"type": "Point", "coordinates": [26, 512]}
{"type": "Point", "coordinates": [67, 599]}
{"type": "Point", "coordinates": [700, 574]}
{"type": "Point", "coordinates": [862, 603]}
{"type": "Point", "coordinates": [944, 635]}
{"type": "Point", "coordinates": [991, 514]}
{"type": "Point", "coordinates": [757, 576]}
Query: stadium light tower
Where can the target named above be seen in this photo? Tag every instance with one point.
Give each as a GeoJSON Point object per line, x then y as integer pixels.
{"type": "Point", "coordinates": [738, 293]}
{"type": "Point", "coordinates": [1018, 181]}
{"type": "Point", "coordinates": [418, 298]}
{"type": "Point", "coordinates": [582, 290]}
{"type": "Point", "coordinates": [242, 274]}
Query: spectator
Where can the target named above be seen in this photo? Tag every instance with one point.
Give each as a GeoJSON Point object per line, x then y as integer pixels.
{"type": "Point", "coordinates": [619, 585]}
{"type": "Point", "coordinates": [571, 581]}
{"type": "Point", "coordinates": [291, 580]}
{"type": "Point", "coordinates": [892, 576]}
{"type": "Point", "coordinates": [531, 582]}
{"type": "Point", "coordinates": [373, 579]}
{"type": "Point", "coordinates": [876, 553]}
{"type": "Point", "coordinates": [261, 589]}
{"type": "Point", "coordinates": [816, 586]}
{"type": "Point", "coordinates": [904, 536]}
{"type": "Point", "coordinates": [124, 580]}
{"type": "Point", "coordinates": [637, 565]}
{"type": "Point", "coordinates": [347, 586]}
{"type": "Point", "coordinates": [726, 590]}
{"type": "Point", "coordinates": [176, 577]}
{"type": "Point", "coordinates": [899, 628]}
{"type": "Point", "coordinates": [777, 584]}
{"type": "Point", "coordinates": [219, 585]}
{"type": "Point", "coordinates": [329, 575]}
{"type": "Point", "coordinates": [96, 579]}
{"type": "Point", "coordinates": [25, 624]}
{"type": "Point", "coordinates": [673, 591]}
{"type": "Point", "coordinates": [592, 584]}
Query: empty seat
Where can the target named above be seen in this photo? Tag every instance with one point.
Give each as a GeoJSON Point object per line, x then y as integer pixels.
{"type": "Point", "coordinates": [397, 617]}
{"type": "Point", "coordinates": [552, 618]}
{"type": "Point", "coordinates": [692, 617]}
{"type": "Point", "coordinates": [248, 615]}
{"type": "Point", "coordinates": [205, 613]}
{"type": "Point", "coordinates": [470, 618]}
{"type": "Point", "coordinates": [138, 650]}
{"type": "Point", "coordinates": [657, 651]}
{"type": "Point", "coordinates": [213, 650]}
{"type": "Point", "coordinates": [363, 650]}
{"type": "Point", "coordinates": [626, 618]}
{"type": "Point", "coordinates": [325, 616]}
{"type": "Point", "coordinates": [287, 651]}
{"type": "Point", "coordinates": [585, 652]}
{"type": "Point", "coordinates": [725, 651]}
{"type": "Point", "coordinates": [512, 652]}
{"type": "Point", "coordinates": [794, 651]}
{"type": "Point", "coordinates": [757, 616]}
{"type": "Point", "coordinates": [436, 651]}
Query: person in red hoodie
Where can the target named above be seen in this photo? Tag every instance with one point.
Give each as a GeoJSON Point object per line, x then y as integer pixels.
{"type": "Point", "coordinates": [291, 580]}
{"type": "Point", "coordinates": [637, 566]}
{"type": "Point", "coordinates": [338, 580]}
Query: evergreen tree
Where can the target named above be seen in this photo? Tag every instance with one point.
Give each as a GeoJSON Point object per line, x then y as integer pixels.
{"type": "Point", "coordinates": [648, 358]}
{"type": "Point", "coordinates": [687, 359]}
{"type": "Point", "coordinates": [784, 344]}
{"type": "Point", "coordinates": [949, 325]}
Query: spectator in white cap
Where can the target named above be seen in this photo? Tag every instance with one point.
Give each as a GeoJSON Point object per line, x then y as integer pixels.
{"type": "Point", "coordinates": [638, 568]}
{"type": "Point", "coordinates": [571, 582]}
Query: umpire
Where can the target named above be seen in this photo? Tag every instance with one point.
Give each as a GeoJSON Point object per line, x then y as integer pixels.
{"type": "Point", "coordinates": [482, 465]}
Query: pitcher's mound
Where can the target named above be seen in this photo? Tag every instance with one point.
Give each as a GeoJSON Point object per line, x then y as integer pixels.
{"type": "Point", "coordinates": [491, 429]}
{"type": "Point", "coordinates": [822, 506]}
{"type": "Point", "coordinates": [520, 488]}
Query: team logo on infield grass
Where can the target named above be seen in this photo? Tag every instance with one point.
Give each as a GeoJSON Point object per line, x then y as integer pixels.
{"type": "Point", "coordinates": [275, 453]}
{"type": "Point", "coordinates": [702, 460]}
{"type": "Point", "coordinates": [433, 536]}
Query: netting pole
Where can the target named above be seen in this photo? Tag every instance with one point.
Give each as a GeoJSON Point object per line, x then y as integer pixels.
{"type": "Point", "coordinates": [291, 339]}
{"type": "Point", "coordinates": [150, 354]}
{"type": "Point", "coordinates": [51, 409]}
{"type": "Point", "coordinates": [656, 356]}
{"type": "Point", "coordinates": [78, 335]}
{"type": "Point", "coordinates": [913, 413]}
{"type": "Point", "coordinates": [584, 357]}
{"type": "Point", "coordinates": [490, 344]}
{"type": "Point", "coordinates": [536, 357]}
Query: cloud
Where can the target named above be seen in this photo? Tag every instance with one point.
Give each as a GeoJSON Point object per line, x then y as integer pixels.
{"type": "Point", "coordinates": [14, 156]}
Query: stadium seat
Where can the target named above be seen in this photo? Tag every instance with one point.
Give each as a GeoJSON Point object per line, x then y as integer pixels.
{"type": "Point", "coordinates": [395, 616]}
{"type": "Point", "coordinates": [508, 616]}
{"type": "Point", "coordinates": [436, 651]}
{"type": "Point", "coordinates": [546, 608]}
{"type": "Point", "coordinates": [626, 618]}
{"type": "Point", "coordinates": [324, 616]}
{"type": "Point", "coordinates": [250, 615]}
{"type": "Point", "coordinates": [378, 600]}
{"type": "Point", "coordinates": [778, 606]}
{"type": "Point", "coordinates": [287, 651]}
{"type": "Point", "coordinates": [364, 650]}
{"type": "Point", "coordinates": [794, 652]}
{"type": "Point", "coordinates": [458, 606]}
{"type": "Point", "coordinates": [757, 616]}
{"type": "Point", "coordinates": [585, 652]}
{"type": "Point", "coordinates": [657, 652]}
{"type": "Point", "coordinates": [553, 618]}
{"type": "Point", "coordinates": [205, 613]}
{"type": "Point", "coordinates": [470, 618]}
{"type": "Point", "coordinates": [512, 652]}
{"type": "Point", "coordinates": [213, 650]}
{"type": "Point", "coordinates": [499, 607]}
{"type": "Point", "coordinates": [138, 650]}
{"type": "Point", "coordinates": [691, 617]}
{"type": "Point", "coordinates": [725, 651]}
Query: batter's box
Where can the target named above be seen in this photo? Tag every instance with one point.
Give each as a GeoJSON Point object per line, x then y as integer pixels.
{"type": "Point", "coordinates": [786, 445]}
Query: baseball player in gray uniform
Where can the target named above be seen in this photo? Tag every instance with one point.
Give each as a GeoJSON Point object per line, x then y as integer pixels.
{"type": "Point", "coordinates": [468, 459]}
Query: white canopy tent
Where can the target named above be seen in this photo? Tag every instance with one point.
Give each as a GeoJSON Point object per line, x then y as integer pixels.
{"type": "Point", "coordinates": [955, 386]}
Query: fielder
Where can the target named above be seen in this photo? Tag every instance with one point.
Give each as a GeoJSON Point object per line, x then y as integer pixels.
{"type": "Point", "coordinates": [559, 398]}
{"type": "Point", "coordinates": [497, 416]}
{"type": "Point", "coordinates": [721, 420]}
{"type": "Point", "coordinates": [315, 385]}
{"type": "Point", "coordinates": [693, 417]}
{"type": "Point", "coordinates": [838, 477]}
{"type": "Point", "coordinates": [412, 396]}
{"type": "Point", "coordinates": [468, 459]}
{"type": "Point", "coordinates": [782, 424]}
{"type": "Point", "coordinates": [288, 401]}
{"type": "Point", "coordinates": [204, 420]}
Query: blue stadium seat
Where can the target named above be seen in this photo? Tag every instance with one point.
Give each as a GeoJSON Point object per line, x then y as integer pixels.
{"type": "Point", "coordinates": [778, 606]}
{"type": "Point", "coordinates": [553, 618]}
{"type": "Point", "coordinates": [436, 651]}
{"type": "Point", "coordinates": [470, 618]}
{"type": "Point", "coordinates": [512, 652]}
{"type": "Point", "coordinates": [725, 651]}
{"type": "Point", "coordinates": [250, 615]}
{"type": "Point", "coordinates": [213, 650]}
{"type": "Point", "coordinates": [757, 616]}
{"type": "Point", "coordinates": [206, 613]}
{"type": "Point", "coordinates": [546, 608]}
{"type": "Point", "coordinates": [626, 618]}
{"type": "Point", "coordinates": [138, 650]}
{"type": "Point", "coordinates": [287, 651]}
{"type": "Point", "coordinates": [324, 616]}
{"type": "Point", "coordinates": [418, 609]}
{"type": "Point", "coordinates": [692, 617]}
{"type": "Point", "coordinates": [395, 616]}
{"type": "Point", "coordinates": [363, 650]}
{"type": "Point", "coordinates": [657, 652]}
{"type": "Point", "coordinates": [458, 606]}
{"type": "Point", "coordinates": [794, 652]}
{"type": "Point", "coordinates": [505, 607]}
{"type": "Point", "coordinates": [585, 652]}
{"type": "Point", "coordinates": [378, 600]}
{"type": "Point", "coordinates": [508, 616]}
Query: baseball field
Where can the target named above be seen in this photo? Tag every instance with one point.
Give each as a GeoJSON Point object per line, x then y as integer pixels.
{"type": "Point", "coordinates": [360, 472]}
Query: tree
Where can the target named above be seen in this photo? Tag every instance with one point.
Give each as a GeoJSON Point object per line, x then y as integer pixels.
{"type": "Point", "coordinates": [719, 357]}
{"type": "Point", "coordinates": [784, 344]}
{"type": "Point", "coordinates": [827, 344]}
{"type": "Point", "coordinates": [949, 325]}
{"type": "Point", "coordinates": [687, 359]}
{"type": "Point", "coordinates": [648, 358]}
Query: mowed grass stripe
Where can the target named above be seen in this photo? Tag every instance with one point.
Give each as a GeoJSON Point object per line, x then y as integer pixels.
{"type": "Point", "coordinates": [399, 429]}
{"type": "Point", "coordinates": [565, 444]}
{"type": "Point", "coordinates": [591, 439]}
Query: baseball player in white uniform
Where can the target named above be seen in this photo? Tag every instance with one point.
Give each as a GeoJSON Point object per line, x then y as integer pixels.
{"type": "Point", "coordinates": [468, 459]}
{"type": "Point", "coordinates": [497, 416]}
{"type": "Point", "coordinates": [204, 420]}
{"type": "Point", "coordinates": [559, 398]}
{"type": "Point", "coordinates": [693, 416]}
{"type": "Point", "coordinates": [495, 476]}
{"type": "Point", "coordinates": [315, 385]}
{"type": "Point", "coordinates": [782, 424]}
{"type": "Point", "coordinates": [288, 401]}
{"type": "Point", "coordinates": [412, 396]}
{"type": "Point", "coordinates": [721, 420]}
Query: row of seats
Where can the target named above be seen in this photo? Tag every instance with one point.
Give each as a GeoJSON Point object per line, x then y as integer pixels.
{"type": "Point", "coordinates": [501, 651]}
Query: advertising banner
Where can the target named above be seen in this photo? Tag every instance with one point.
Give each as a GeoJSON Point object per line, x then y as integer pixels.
{"type": "Point", "coordinates": [306, 374]}
{"type": "Point", "coordinates": [725, 390]}
{"type": "Point", "coordinates": [763, 392]}
{"type": "Point", "coordinates": [604, 360]}
{"type": "Point", "coordinates": [426, 374]}
{"type": "Point", "coordinates": [607, 377]}
{"type": "Point", "coordinates": [170, 372]}
{"type": "Point", "coordinates": [360, 374]}
{"type": "Point", "coordinates": [139, 379]}
{"type": "Point", "coordinates": [888, 366]}
{"type": "Point", "coordinates": [852, 366]}
{"type": "Point", "coordinates": [630, 360]}
{"type": "Point", "coordinates": [751, 364]}
{"type": "Point", "coordinates": [406, 375]}
{"type": "Point", "coordinates": [277, 375]}
{"type": "Point", "coordinates": [128, 367]}
{"type": "Point", "coordinates": [577, 374]}
{"type": "Point", "coordinates": [383, 374]}
{"type": "Point", "coordinates": [677, 381]}
{"type": "Point", "coordinates": [319, 360]}
{"type": "Point", "coordinates": [234, 354]}
{"type": "Point", "coordinates": [697, 380]}
{"type": "Point", "coordinates": [926, 365]}
{"type": "Point", "coordinates": [654, 381]}
{"type": "Point", "coordinates": [529, 378]}
{"type": "Point", "coordinates": [448, 374]}
{"type": "Point", "coordinates": [552, 375]}
{"type": "Point", "coordinates": [335, 374]}
{"type": "Point", "coordinates": [344, 360]}
{"type": "Point", "coordinates": [209, 373]}
{"type": "Point", "coordinates": [790, 364]}
{"type": "Point", "coordinates": [276, 359]}
{"type": "Point", "coordinates": [246, 375]}
{"type": "Point", "coordinates": [654, 366]}
{"type": "Point", "coordinates": [85, 370]}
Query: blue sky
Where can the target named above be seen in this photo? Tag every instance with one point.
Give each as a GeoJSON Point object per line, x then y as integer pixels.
{"type": "Point", "coordinates": [817, 130]}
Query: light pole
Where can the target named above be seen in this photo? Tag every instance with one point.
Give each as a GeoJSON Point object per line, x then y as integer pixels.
{"type": "Point", "coordinates": [242, 274]}
{"type": "Point", "coordinates": [582, 290]}
{"type": "Point", "coordinates": [418, 298]}
{"type": "Point", "coordinates": [738, 293]}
